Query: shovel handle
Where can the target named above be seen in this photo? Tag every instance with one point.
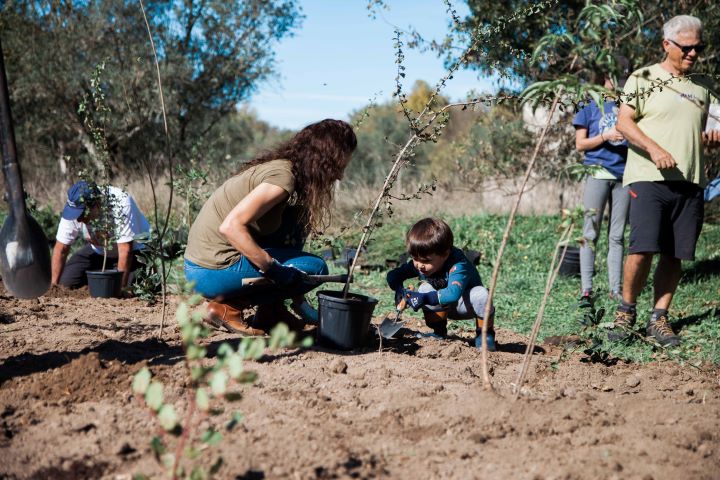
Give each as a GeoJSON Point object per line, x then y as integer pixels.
{"type": "Point", "coordinates": [403, 303]}
{"type": "Point", "coordinates": [317, 279]}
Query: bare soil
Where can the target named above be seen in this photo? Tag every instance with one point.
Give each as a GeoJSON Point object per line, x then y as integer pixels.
{"type": "Point", "coordinates": [416, 409]}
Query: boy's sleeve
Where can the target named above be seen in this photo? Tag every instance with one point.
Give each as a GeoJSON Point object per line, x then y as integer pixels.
{"type": "Point", "coordinates": [396, 276]}
{"type": "Point", "coordinates": [458, 278]}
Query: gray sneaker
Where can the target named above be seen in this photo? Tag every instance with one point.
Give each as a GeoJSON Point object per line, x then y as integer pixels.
{"type": "Point", "coordinates": [659, 328]}
{"type": "Point", "coordinates": [622, 325]}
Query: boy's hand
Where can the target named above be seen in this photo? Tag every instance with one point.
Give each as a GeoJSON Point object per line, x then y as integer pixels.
{"type": "Point", "coordinates": [416, 300]}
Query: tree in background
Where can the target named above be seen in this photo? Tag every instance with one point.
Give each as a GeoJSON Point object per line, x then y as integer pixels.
{"type": "Point", "coordinates": [213, 55]}
{"type": "Point", "coordinates": [381, 134]}
{"type": "Point", "coordinates": [640, 43]}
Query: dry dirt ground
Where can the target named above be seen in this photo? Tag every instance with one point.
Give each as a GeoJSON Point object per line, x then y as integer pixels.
{"type": "Point", "coordinates": [414, 410]}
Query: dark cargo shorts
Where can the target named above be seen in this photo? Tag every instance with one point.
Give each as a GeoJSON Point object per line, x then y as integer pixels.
{"type": "Point", "coordinates": [665, 217]}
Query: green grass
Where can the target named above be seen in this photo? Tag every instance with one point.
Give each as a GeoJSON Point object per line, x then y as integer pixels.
{"type": "Point", "coordinates": [695, 310]}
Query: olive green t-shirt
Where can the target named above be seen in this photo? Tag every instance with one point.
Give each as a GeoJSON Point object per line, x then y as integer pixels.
{"type": "Point", "coordinates": [206, 246]}
{"type": "Point", "coordinates": [672, 112]}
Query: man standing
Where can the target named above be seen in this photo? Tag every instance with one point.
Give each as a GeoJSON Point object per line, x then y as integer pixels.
{"type": "Point", "coordinates": [663, 118]}
{"type": "Point", "coordinates": [84, 206]}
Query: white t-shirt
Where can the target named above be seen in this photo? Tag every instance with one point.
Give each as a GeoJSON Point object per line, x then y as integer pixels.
{"type": "Point", "coordinates": [128, 219]}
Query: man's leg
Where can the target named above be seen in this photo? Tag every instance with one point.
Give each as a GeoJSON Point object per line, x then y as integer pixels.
{"type": "Point", "coordinates": [687, 219]}
{"type": "Point", "coordinates": [635, 274]}
{"type": "Point", "coordinates": [74, 275]}
{"type": "Point", "coordinates": [667, 278]}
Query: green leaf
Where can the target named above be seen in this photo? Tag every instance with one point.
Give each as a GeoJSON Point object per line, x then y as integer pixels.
{"type": "Point", "coordinates": [202, 399]}
{"type": "Point", "coordinates": [141, 381]}
{"type": "Point", "coordinates": [235, 366]}
{"type": "Point", "coordinates": [168, 460]}
{"type": "Point", "coordinates": [306, 342]}
{"type": "Point", "coordinates": [211, 437]}
{"type": "Point", "coordinates": [154, 396]}
{"type": "Point", "coordinates": [182, 314]}
{"type": "Point", "coordinates": [157, 446]}
{"type": "Point", "coordinates": [236, 418]}
{"type": "Point", "coordinates": [196, 352]}
{"type": "Point", "coordinates": [186, 333]}
{"type": "Point", "coordinates": [167, 417]}
{"type": "Point", "coordinates": [197, 372]}
{"type": "Point", "coordinates": [198, 473]}
{"type": "Point", "coordinates": [191, 453]}
{"type": "Point", "coordinates": [218, 383]}
{"type": "Point", "coordinates": [256, 349]}
{"type": "Point", "coordinates": [224, 349]}
{"type": "Point", "coordinates": [195, 299]}
{"type": "Point", "coordinates": [278, 336]}
{"type": "Point", "coordinates": [244, 346]}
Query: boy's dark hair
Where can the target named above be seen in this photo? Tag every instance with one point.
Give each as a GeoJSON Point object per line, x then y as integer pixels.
{"type": "Point", "coordinates": [429, 236]}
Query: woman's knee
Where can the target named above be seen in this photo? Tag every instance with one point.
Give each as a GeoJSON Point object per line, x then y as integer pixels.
{"type": "Point", "coordinates": [310, 264]}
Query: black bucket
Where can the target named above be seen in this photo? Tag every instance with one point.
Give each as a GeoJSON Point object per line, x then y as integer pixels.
{"type": "Point", "coordinates": [570, 266]}
{"type": "Point", "coordinates": [107, 284]}
{"type": "Point", "coordinates": [344, 322]}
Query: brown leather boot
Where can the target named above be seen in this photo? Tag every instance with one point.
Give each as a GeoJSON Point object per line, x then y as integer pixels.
{"type": "Point", "coordinates": [228, 316]}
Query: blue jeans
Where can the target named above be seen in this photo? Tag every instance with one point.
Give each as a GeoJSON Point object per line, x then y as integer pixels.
{"type": "Point", "coordinates": [226, 283]}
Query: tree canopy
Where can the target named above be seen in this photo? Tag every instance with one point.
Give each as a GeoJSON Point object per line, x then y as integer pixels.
{"type": "Point", "coordinates": [213, 54]}
{"type": "Point", "coordinates": [578, 26]}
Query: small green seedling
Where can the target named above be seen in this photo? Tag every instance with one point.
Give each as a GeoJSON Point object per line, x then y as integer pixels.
{"type": "Point", "coordinates": [179, 447]}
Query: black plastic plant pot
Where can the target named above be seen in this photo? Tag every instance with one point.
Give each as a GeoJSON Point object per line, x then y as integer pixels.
{"type": "Point", "coordinates": [570, 266]}
{"type": "Point", "coordinates": [344, 322]}
{"type": "Point", "coordinates": [107, 284]}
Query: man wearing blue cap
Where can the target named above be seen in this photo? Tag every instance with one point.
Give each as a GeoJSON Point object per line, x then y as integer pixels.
{"type": "Point", "coordinates": [83, 206]}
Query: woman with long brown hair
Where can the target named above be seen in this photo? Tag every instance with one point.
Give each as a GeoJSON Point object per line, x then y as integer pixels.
{"type": "Point", "coordinates": [256, 223]}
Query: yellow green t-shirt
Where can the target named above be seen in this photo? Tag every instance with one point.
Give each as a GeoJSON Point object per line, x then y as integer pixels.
{"type": "Point", "coordinates": [206, 246]}
{"type": "Point", "coordinates": [672, 111]}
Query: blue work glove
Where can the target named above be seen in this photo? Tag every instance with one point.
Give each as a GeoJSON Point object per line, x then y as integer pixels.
{"type": "Point", "coordinates": [282, 276]}
{"type": "Point", "coordinates": [416, 300]}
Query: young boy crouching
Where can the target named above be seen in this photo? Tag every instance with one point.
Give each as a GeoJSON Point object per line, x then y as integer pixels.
{"type": "Point", "coordinates": [451, 287]}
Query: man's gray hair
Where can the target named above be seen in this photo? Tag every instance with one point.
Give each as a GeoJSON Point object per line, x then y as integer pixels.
{"type": "Point", "coordinates": [681, 23]}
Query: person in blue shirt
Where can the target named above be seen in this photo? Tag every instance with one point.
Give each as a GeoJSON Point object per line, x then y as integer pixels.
{"type": "Point", "coordinates": [451, 287]}
{"type": "Point", "coordinates": [605, 150]}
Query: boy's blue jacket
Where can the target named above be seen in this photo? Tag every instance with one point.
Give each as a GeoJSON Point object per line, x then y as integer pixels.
{"type": "Point", "coordinates": [455, 277]}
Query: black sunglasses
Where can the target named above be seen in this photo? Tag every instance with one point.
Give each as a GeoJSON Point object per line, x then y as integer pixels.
{"type": "Point", "coordinates": [689, 48]}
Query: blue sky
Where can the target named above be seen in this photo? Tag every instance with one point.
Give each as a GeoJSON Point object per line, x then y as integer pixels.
{"type": "Point", "coordinates": [340, 58]}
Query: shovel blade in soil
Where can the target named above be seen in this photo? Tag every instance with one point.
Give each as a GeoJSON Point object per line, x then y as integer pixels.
{"type": "Point", "coordinates": [389, 327]}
